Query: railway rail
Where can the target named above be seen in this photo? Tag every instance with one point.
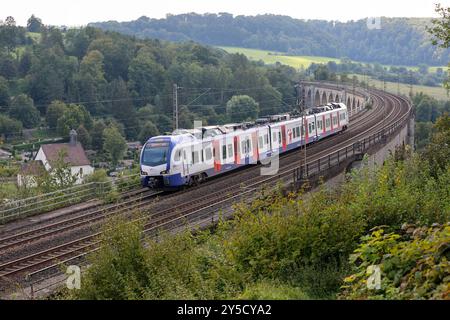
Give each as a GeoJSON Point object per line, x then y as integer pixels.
{"type": "Point", "coordinates": [192, 206]}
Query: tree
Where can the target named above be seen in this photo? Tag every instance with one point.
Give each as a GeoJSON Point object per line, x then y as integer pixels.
{"type": "Point", "coordinates": [34, 24]}
{"type": "Point", "coordinates": [55, 111]}
{"type": "Point", "coordinates": [146, 76]}
{"type": "Point", "coordinates": [23, 109]}
{"type": "Point", "coordinates": [72, 118]}
{"type": "Point", "coordinates": [97, 135]}
{"type": "Point", "coordinates": [242, 107]}
{"type": "Point", "coordinates": [441, 31]}
{"type": "Point", "coordinates": [84, 137]}
{"type": "Point", "coordinates": [114, 144]}
{"type": "Point", "coordinates": [148, 130]}
{"type": "Point", "coordinates": [4, 92]}
{"type": "Point", "coordinates": [438, 152]}
{"type": "Point", "coordinates": [9, 127]}
{"type": "Point", "coordinates": [122, 107]}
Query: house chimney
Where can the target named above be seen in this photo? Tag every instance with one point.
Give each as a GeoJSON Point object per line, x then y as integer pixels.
{"type": "Point", "coordinates": [73, 138]}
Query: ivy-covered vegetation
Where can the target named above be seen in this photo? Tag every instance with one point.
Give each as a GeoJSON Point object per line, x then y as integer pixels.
{"type": "Point", "coordinates": [299, 246]}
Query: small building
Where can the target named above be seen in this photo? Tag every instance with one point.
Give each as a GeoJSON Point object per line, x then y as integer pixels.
{"type": "Point", "coordinates": [135, 145]}
{"type": "Point", "coordinates": [27, 176]}
{"type": "Point", "coordinates": [75, 156]}
{"type": "Point", "coordinates": [4, 155]}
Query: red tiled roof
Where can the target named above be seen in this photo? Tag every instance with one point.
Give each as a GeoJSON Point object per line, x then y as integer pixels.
{"type": "Point", "coordinates": [75, 155]}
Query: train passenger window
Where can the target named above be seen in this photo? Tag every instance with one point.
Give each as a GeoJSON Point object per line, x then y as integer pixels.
{"type": "Point", "coordinates": [279, 137]}
{"type": "Point", "coordinates": [309, 126]}
{"type": "Point", "coordinates": [224, 152]}
{"type": "Point", "coordinates": [293, 133]}
{"type": "Point", "coordinates": [261, 142]}
{"type": "Point", "coordinates": [243, 147]}
{"type": "Point", "coordinates": [298, 131]}
{"type": "Point", "coordinates": [267, 138]}
{"type": "Point", "coordinates": [194, 157]}
{"type": "Point", "coordinates": [313, 125]}
{"type": "Point", "coordinates": [230, 150]}
{"type": "Point", "coordinates": [208, 154]}
{"type": "Point", "coordinates": [274, 137]}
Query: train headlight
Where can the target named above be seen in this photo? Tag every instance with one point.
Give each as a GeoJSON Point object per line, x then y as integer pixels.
{"type": "Point", "coordinates": [164, 172]}
{"type": "Point", "coordinates": [144, 173]}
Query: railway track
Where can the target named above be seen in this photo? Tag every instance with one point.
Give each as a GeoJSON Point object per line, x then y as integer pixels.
{"type": "Point", "coordinates": [386, 106]}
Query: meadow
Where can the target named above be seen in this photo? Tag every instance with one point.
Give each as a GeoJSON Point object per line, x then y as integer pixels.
{"type": "Point", "coordinates": [271, 57]}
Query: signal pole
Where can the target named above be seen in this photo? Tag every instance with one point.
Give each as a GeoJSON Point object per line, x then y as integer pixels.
{"type": "Point", "coordinates": [175, 106]}
{"type": "Point", "coordinates": [300, 90]}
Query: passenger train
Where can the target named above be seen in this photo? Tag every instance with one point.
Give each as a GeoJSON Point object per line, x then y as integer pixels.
{"type": "Point", "coordinates": [188, 157]}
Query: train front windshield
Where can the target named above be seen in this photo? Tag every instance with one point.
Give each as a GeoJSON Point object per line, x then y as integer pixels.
{"type": "Point", "coordinates": [155, 153]}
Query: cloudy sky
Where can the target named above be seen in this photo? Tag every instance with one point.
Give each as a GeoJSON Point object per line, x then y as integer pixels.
{"type": "Point", "coordinates": [81, 12]}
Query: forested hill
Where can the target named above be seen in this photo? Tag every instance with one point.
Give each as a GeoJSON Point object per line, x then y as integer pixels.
{"type": "Point", "coordinates": [400, 41]}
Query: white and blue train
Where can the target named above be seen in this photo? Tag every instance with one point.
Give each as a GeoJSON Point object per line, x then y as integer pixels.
{"type": "Point", "coordinates": [188, 157]}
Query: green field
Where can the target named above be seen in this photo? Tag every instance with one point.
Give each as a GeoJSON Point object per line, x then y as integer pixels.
{"type": "Point", "coordinates": [440, 93]}
{"type": "Point", "coordinates": [271, 57]}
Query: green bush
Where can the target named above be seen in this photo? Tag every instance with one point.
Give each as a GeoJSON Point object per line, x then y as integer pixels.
{"type": "Point", "coordinates": [414, 265]}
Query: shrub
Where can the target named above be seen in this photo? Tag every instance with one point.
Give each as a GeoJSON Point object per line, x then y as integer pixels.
{"type": "Point", "coordinates": [414, 265]}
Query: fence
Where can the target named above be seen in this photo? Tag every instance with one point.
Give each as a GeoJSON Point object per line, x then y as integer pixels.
{"type": "Point", "coordinates": [355, 151]}
{"type": "Point", "coordinates": [65, 197]}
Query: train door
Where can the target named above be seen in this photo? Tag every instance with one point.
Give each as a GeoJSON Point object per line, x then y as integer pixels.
{"type": "Point", "coordinates": [185, 163]}
{"type": "Point", "coordinates": [246, 149]}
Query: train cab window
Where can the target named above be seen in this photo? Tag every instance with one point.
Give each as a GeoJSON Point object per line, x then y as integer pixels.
{"type": "Point", "coordinates": [230, 150]}
{"type": "Point", "coordinates": [155, 153]}
{"type": "Point", "coordinates": [177, 156]}
{"type": "Point", "coordinates": [224, 152]}
{"type": "Point", "coordinates": [208, 154]}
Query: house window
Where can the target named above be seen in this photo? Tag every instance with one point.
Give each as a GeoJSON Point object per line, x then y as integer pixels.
{"type": "Point", "coordinates": [81, 172]}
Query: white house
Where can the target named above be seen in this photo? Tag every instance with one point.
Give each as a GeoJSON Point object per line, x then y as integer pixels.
{"type": "Point", "coordinates": [75, 156]}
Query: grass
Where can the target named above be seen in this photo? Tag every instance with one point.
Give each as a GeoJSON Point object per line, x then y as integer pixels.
{"type": "Point", "coordinates": [439, 93]}
{"type": "Point", "coordinates": [271, 57]}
